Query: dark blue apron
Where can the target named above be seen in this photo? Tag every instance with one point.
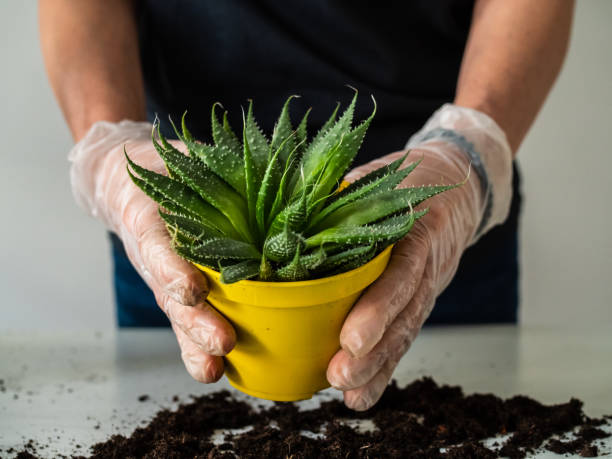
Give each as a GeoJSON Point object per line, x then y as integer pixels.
{"type": "Point", "coordinates": [407, 54]}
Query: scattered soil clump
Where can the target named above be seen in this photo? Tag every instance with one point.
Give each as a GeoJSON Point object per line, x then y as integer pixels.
{"type": "Point", "coordinates": [422, 420]}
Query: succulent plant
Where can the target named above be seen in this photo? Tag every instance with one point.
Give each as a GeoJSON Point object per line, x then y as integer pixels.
{"type": "Point", "coordinates": [273, 209]}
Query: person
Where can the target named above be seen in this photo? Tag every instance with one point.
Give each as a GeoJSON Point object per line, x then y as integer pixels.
{"type": "Point", "coordinates": [488, 64]}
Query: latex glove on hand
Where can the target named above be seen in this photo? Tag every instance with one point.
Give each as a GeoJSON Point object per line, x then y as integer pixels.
{"type": "Point", "coordinates": [387, 318]}
{"type": "Point", "coordinates": [102, 186]}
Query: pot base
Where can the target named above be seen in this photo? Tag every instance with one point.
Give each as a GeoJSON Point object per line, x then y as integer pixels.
{"type": "Point", "coordinates": [274, 397]}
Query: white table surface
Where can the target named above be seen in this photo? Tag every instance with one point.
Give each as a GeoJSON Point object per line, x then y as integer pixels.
{"type": "Point", "coordinates": [57, 387]}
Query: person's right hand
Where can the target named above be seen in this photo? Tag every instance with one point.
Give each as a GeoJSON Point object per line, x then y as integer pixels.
{"type": "Point", "coordinates": [102, 186]}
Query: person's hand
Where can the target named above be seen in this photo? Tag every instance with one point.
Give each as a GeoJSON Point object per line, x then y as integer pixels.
{"type": "Point", "coordinates": [103, 187]}
{"type": "Point", "coordinates": [387, 318]}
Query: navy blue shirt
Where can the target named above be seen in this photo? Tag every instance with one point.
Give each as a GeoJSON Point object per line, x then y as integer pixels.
{"type": "Point", "coordinates": [406, 53]}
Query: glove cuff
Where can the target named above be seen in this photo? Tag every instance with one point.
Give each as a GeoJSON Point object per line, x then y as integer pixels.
{"type": "Point", "coordinates": [485, 144]}
{"type": "Point", "coordinates": [88, 155]}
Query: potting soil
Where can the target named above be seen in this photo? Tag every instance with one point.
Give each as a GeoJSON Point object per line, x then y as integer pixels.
{"type": "Point", "coordinates": [422, 420]}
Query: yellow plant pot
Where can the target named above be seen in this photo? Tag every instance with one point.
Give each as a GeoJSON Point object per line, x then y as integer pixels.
{"type": "Point", "coordinates": [287, 331]}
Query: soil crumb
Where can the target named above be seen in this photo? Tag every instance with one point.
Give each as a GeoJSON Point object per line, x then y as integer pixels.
{"type": "Point", "coordinates": [422, 420]}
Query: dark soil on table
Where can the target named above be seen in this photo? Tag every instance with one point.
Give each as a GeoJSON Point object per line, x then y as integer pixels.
{"type": "Point", "coordinates": [422, 420]}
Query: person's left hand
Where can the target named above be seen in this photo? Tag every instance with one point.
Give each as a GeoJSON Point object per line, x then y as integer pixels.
{"type": "Point", "coordinates": [387, 318]}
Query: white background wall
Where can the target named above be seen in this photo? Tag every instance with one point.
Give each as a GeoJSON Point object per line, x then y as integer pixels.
{"type": "Point", "coordinates": [55, 262]}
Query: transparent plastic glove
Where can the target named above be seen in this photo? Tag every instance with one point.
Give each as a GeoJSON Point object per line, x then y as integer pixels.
{"type": "Point", "coordinates": [387, 318]}
{"type": "Point", "coordinates": [101, 185]}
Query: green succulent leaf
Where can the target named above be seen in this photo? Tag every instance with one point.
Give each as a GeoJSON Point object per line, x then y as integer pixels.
{"type": "Point", "coordinates": [295, 216]}
{"type": "Point", "coordinates": [337, 164]}
{"type": "Point", "coordinates": [314, 259]}
{"type": "Point", "coordinates": [178, 237]}
{"type": "Point", "coordinates": [269, 184]}
{"type": "Point", "coordinates": [316, 154]}
{"type": "Point", "coordinates": [391, 229]}
{"type": "Point", "coordinates": [165, 145]}
{"type": "Point", "coordinates": [292, 165]}
{"type": "Point", "coordinates": [302, 133]}
{"type": "Point", "coordinates": [341, 259]}
{"type": "Point", "coordinates": [211, 188]}
{"type": "Point", "coordinates": [176, 196]}
{"type": "Point", "coordinates": [186, 251]}
{"type": "Point", "coordinates": [190, 227]}
{"type": "Point", "coordinates": [319, 139]}
{"type": "Point", "coordinates": [280, 196]}
{"type": "Point", "coordinates": [224, 161]}
{"type": "Point", "coordinates": [294, 271]}
{"type": "Point", "coordinates": [251, 180]}
{"type": "Point", "coordinates": [282, 246]}
{"type": "Point", "coordinates": [246, 269]}
{"type": "Point", "coordinates": [225, 139]}
{"type": "Point", "coordinates": [390, 181]}
{"type": "Point", "coordinates": [348, 266]}
{"type": "Point", "coordinates": [420, 194]}
{"type": "Point", "coordinates": [227, 128]}
{"type": "Point", "coordinates": [266, 271]}
{"type": "Point", "coordinates": [258, 143]}
{"type": "Point", "coordinates": [282, 136]}
{"type": "Point", "coordinates": [220, 248]}
{"type": "Point", "coordinates": [377, 184]}
{"type": "Point", "coordinates": [369, 209]}
{"type": "Point", "coordinates": [159, 197]}
{"type": "Point", "coordinates": [371, 179]}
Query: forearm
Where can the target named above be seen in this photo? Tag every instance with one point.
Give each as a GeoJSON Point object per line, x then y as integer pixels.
{"type": "Point", "coordinates": [92, 59]}
{"type": "Point", "coordinates": [513, 55]}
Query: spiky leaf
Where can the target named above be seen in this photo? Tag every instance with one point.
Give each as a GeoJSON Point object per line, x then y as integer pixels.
{"type": "Point", "coordinates": [348, 266]}
{"type": "Point", "coordinates": [179, 196]}
{"type": "Point", "coordinates": [160, 198]}
{"type": "Point", "coordinates": [220, 248]}
{"type": "Point", "coordinates": [378, 184]}
{"type": "Point", "coordinates": [224, 161]}
{"type": "Point", "coordinates": [282, 137]}
{"type": "Point", "coordinates": [246, 269]}
{"type": "Point", "coordinates": [346, 256]}
{"type": "Point", "coordinates": [251, 180]}
{"type": "Point", "coordinates": [282, 246]}
{"type": "Point", "coordinates": [302, 133]}
{"type": "Point", "coordinates": [294, 215]}
{"type": "Point", "coordinates": [388, 230]}
{"type": "Point", "coordinates": [187, 252]}
{"type": "Point", "coordinates": [211, 188]}
{"type": "Point", "coordinates": [258, 143]}
{"type": "Point", "coordinates": [373, 207]}
{"type": "Point", "coordinates": [314, 259]}
{"type": "Point", "coordinates": [266, 271]}
{"type": "Point", "coordinates": [190, 227]}
{"type": "Point", "coordinates": [315, 155]}
{"type": "Point", "coordinates": [224, 137]}
{"type": "Point", "coordinates": [337, 164]}
{"type": "Point", "coordinates": [371, 178]}
{"type": "Point", "coordinates": [294, 271]}
{"type": "Point", "coordinates": [280, 196]}
{"type": "Point", "coordinates": [268, 187]}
